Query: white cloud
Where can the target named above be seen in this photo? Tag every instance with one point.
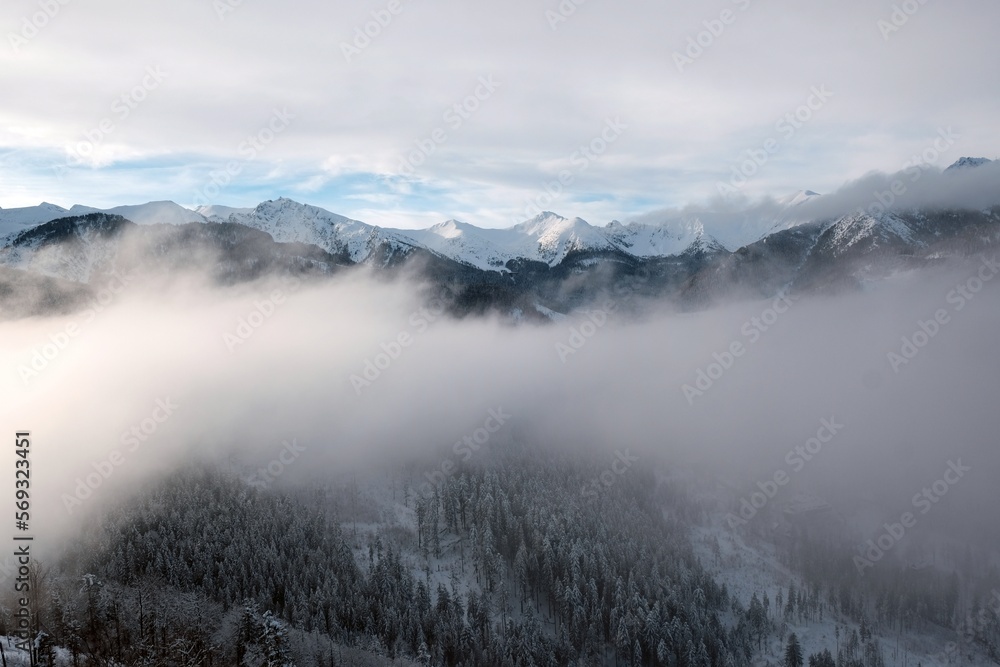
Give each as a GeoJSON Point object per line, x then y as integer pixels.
{"type": "Point", "coordinates": [226, 78]}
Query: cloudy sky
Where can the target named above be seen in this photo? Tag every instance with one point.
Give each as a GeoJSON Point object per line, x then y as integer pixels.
{"type": "Point", "coordinates": [598, 109]}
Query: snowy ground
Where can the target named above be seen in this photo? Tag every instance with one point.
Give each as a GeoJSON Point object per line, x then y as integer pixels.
{"type": "Point", "coordinates": [747, 570]}
{"type": "Point", "coordinates": [15, 657]}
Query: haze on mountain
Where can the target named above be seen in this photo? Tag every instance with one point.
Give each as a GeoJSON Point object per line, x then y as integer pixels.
{"type": "Point", "coordinates": [730, 223]}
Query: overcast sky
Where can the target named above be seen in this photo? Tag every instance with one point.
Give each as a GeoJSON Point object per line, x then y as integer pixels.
{"type": "Point", "coordinates": [201, 76]}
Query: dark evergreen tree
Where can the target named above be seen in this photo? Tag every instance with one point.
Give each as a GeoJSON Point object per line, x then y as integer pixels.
{"type": "Point", "coordinates": [793, 652]}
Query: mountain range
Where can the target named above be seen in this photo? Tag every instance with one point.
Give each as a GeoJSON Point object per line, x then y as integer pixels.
{"type": "Point", "coordinates": [548, 238]}
{"type": "Point", "coordinates": [543, 266]}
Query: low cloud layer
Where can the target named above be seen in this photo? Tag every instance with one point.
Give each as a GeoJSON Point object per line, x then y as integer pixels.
{"type": "Point", "coordinates": [358, 374]}
{"type": "Point", "coordinates": [737, 219]}
{"type": "Point", "coordinates": [917, 186]}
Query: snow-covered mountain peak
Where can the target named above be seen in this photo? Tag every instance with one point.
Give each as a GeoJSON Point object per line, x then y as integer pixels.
{"type": "Point", "coordinates": [798, 198]}
{"type": "Point", "coordinates": [968, 163]}
{"type": "Point", "coordinates": [459, 241]}
{"type": "Point", "coordinates": [556, 236]}
{"type": "Point", "coordinates": [14, 220]}
{"type": "Point", "coordinates": [217, 213]}
{"type": "Point", "coordinates": [289, 211]}
{"type": "Point", "coordinates": [80, 209]}
{"type": "Point", "coordinates": [150, 213]}
{"type": "Point", "coordinates": [450, 229]}
{"type": "Point", "coordinates": [30, 213]}
{"type": "Point", "coordinates": [875, 229]}
{"type": "Point", "coordinates": [288, 221]}
{"type": "Point", "coordinates": [686, 227]}
{"type": "Point", "coordinates": [550, 226]}
{"type": "Point", "coordinates": [543, 219]}
{"type": "Point", "coordinates": [46, 206]}
{"type": "Point", "coordinates": [547, 238]}
{"type": "Point", "coordinates": [657, 238]}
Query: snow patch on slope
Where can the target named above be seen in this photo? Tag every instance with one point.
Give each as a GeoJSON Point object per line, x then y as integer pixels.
{"type": "Point", "coordinates": [215, 213]}
{"type": "Point", "coordinates": [151, 213]}
{"type": "Point", "coordinates": [880, 228]}
{"type": "Point", "coordinates": [667, 238]}
{"type": "Point", "coordinates": [546, 238]}
{"type": "Point", "coordinates": [15, 220]}
{"type": "Point", "coordinates": [968, 163]}
{"type": "Point", "coordinates": [288, 221]}
{"type": "Point", "coordinates": [76, 259]}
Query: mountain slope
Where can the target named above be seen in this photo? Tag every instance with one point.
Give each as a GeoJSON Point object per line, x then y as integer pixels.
{"type": "Point", "coordinates": [216, 213]}
{"type": "Point", "coordinates": [549, 264]}
{"type": "Point", "coordinates": [968, 163]}
{"type": "Point", "coordinates": [14, 220]}
{"type": "Point", "coordinates": [547, 238]}
{"type": "Point", "coordinates": [861, 247]}
{"type": "Point", "coordinates": [73, 248]}
{"type": "Point", "coordinates": [672, 237]}
{"type": "Point", "coordinates": [154, 212]}
{"type": "Point", "coordinates": [288, 221]}
{"type": "Point", "coordinates": [81, 248]}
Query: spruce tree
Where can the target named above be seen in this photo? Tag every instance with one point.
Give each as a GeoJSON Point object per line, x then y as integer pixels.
{"type": "Point", "coordinates": [793, 652]}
